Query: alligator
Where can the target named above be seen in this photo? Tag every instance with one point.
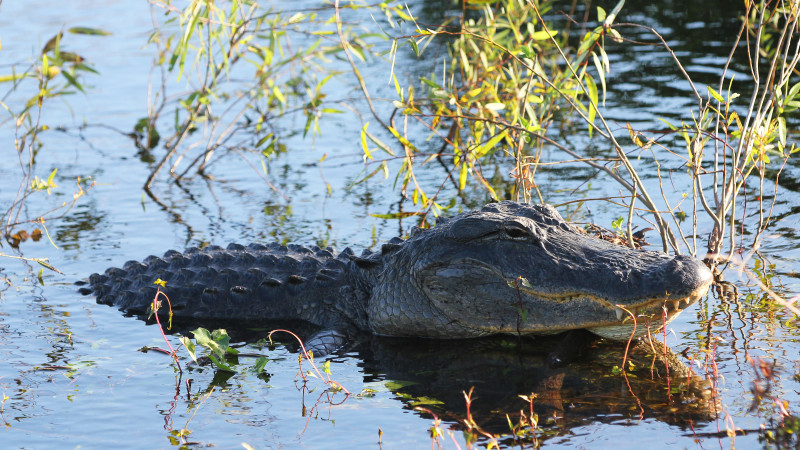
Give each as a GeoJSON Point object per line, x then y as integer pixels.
{"type": "Point", "coordinates": [507, 268]}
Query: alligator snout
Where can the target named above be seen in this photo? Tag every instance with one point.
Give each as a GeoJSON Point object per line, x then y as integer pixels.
{"type": "Point", "coordinates": [692, 272]}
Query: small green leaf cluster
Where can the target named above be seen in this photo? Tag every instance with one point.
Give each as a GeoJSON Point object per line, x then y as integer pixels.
{"type": "Point", "coordinates": [53, 62]}
{"type": "Point", "coordinates": [218, 350]}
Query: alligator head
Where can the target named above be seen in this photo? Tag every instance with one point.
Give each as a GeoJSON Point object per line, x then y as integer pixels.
{"type": "Point", "coordinates": [520, 268]}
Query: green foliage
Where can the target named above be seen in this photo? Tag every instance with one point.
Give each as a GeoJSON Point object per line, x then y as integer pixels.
{"type": "Point", "coordinates": [54, 73]}
{"type": "Point", "coordinates": [246, 66]}
{"type": "Point", "coordinates": [510, 78]}
{"type": "Point", "coordinates": [44, 185]}
{"type": "Point", "coordinates": [496, 96]}
{"type": "Point", "coordinates": [218, 350]}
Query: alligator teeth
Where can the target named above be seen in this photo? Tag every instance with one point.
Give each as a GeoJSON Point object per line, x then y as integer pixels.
{"type": "Point", "coordinates": [676, 305]}
{"type": "Point", "coordinates": [619, 313]}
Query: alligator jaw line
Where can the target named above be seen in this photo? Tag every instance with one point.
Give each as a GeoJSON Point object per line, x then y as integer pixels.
{"type": "Point", "coordinates": [646, 307]}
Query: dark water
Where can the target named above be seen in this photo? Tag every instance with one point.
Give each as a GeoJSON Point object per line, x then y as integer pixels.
{"type": "Point", "coordinates": [72, 370]}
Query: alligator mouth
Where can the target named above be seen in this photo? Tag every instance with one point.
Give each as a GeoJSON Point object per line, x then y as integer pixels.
{"type": "Point", "coordinates": [633, 320]}
{"type": "Point", "coordinates": [649, 316]}
{"type": "Point", "coordinates": [668, 303]}
{"type": "Point", "coordinates": [608, 317]}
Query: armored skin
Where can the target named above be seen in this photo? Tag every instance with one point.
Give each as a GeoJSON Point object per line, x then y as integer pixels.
{"type": "Point", "coordinates": [507, 268]}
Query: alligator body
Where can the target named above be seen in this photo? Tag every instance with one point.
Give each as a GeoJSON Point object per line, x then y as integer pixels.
{"type": "Point", "coordinates": [505, 268]}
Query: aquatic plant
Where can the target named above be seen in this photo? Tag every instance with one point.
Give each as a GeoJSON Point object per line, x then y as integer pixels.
{"type": "Point", "coordinates": [54, 74]}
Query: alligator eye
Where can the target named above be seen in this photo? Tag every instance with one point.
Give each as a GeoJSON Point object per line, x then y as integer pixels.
{"type": "Point", "coordinates": [516, 233]}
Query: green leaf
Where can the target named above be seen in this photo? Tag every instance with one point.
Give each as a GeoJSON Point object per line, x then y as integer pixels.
{"type": "Point", "coordinates": [615, 36]}
{"type": "Point", "coordinates": [71, 80]}
{"type": "Point", "coordinates": [378, 142]}
{"type": "Point", "coordinates": [261, 362]}
{"type": "Point", "coordinates": [263, 140]}
{"type": "Point", "coordinates": [221, 337]}
{"type": "Point", "coordinates": [312, 47]}
{"type": "Point", "coordinates": [206, 339]}
{"type": "Point", "coordinates": [13, 77]}
{"type": "Point", "coordinates": [309, 121]}
{"type": "Point", "coordinates": [402, 140]}
{"type": "Point", "coordinates": [601, 73]}
{"type": "Point", "coordinates": [422, 401]}
{"type": "Point", "coordinates": [414, 46]}
{"type": "Point", "coordinates": [483, 149]}
{"type": "Point", "coordinates": [52, 176]}
{"type": "Point", "coordinates": [601, 14]}
{"type": "Point", "coordinates": [297, 17]}
{"type": "Point", "coordinates": [791, 106]}
{"type": "Point", "coordinates": [400, 215]}
{"type": "Point", "coordinates": [43, 262]}
{"type": "Point", "coordinates": [606, 66]}
{"type": "Point", "coordinates": [589, 40]}
{"type": "Point", "coordinates": [793, 92]}
{"type": "Point", "coordinates": [86, 68]}
{"type": "Point", "coordinates": [465, 62]}
{"type": "Point", "coordinates": [196, 11]}
{"type": "Point", "coordinates": [520, 281]}
{"type": "Point", "coordinates": [189, 347]}
{"type": "Point", "coordinates": [591, 87]}
{"type": "Point", "coordinates": [715, 94]}
{"type": "Point", "coordinates": [494, 107]}
{"type": "Point", "coordinates": [671, 126]}
{"type": "Point", "coordinates": [782, 131]}
{"type": "Point", "coordinates": [396, 385]}
{"type": "Point", "coordinates": [613, 15]}
{"type": "Point", "coordinates": [221, 364]}
{"type": "Point", "coordinates": [278, 94]}
{"type": "Point", "coordinates": [462, 176]}
{"type": "Point", "coordinates": [364, 146]}
{"type": "Point", "coordinates": [543, 34]}
{"type": "Point", "coordinates": [89, 31]}
{"type": "Point", "coordinates": [397, 87]}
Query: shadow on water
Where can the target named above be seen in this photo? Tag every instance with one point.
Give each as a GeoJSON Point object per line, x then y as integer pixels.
{"type": "Point", "coordinates": [436, 374]}
{"type": "Point", "coordinates": [431, 377]}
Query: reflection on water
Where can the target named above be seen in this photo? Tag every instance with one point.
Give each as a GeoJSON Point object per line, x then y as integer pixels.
{"type": "Point", "coordinates": [435, 375]}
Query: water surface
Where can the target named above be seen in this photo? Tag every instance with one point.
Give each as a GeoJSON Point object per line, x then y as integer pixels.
{"type": "Point", "coordinates": [72, 369]}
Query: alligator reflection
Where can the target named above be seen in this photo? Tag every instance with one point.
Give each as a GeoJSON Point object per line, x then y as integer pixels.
{"type": "Point", "coordinates": [585, 391]}
{"type": "Point", "coordinates": [435, 374]}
